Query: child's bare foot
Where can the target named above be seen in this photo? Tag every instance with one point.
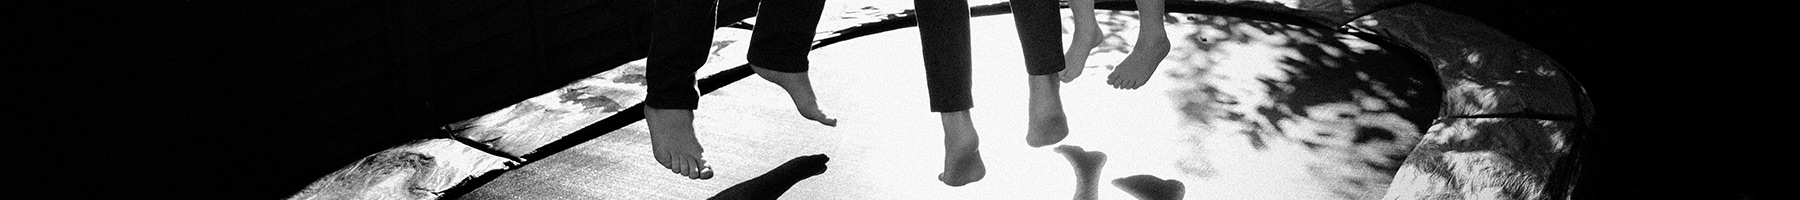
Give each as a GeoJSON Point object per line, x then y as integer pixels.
{"type": "Point", "coordinates": [799, 88]}
{"type": "Point", "coordinates": [1152, 45]}
{"type": "Point", "coordinates": [1147, 187]}
{"type": "Point", "coordinates": [1087, 170]}
{"type": "Point", "coordinates": [1047, 124]}
{"type": "Point", "coordinates": [1137, 67]}
{"type": "Point", "coordinates": [962, 153]}
{"type": "Point", "coordinates": [672, 142]}
{"type": "Point", "coordinates": [1079, 49]}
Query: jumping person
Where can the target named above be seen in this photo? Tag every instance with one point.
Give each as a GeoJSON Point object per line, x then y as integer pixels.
{"type": "Point", "coordinates": [681, 36]}
{"type": "Point", "coordinates": [1151, 47]}
{"type": "Point", "coordinates": [944, 36]}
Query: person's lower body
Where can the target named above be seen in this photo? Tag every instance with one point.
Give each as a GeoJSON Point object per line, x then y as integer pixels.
{"type": "Point", "coordinates": [944, 27]}
{"type": "Point", "coordinates": [779, 47]}
{"type": "Point", "coordinates": [681, 39]}
{"type": "Point", "coordinates": [944, 37]}
{"type": "Point", "coordinates": [1040, 36]}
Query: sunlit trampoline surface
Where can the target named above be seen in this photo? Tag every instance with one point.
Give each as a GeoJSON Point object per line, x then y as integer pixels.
{"type": "Point", "coordinates": [1240, 109]}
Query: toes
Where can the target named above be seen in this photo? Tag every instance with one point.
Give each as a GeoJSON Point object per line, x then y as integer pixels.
{"type": "Point", "coordinates": [667, 162]}
{"type": "Point", "coordinates": [689, 168]}
{"type": "Point", "coordinates": [676, 166]}
{"type": "Point", "coordinates": [695, 168]}
{"type": "Point", "coordinates": [706, 172]}
{"type": "Point", "coordinates": [683, 168]}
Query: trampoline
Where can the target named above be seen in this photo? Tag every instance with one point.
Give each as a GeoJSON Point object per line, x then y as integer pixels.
{"type": "Point", "coordinates": [1255, 101]}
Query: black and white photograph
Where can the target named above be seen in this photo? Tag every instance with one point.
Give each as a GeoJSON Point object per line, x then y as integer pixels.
{"type": "Point", "coordinates": [899, 99]}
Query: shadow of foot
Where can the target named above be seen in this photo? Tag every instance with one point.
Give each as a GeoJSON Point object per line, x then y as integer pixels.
{"type": "Point", "coordinates": [1148, 187]}
{"type": "Point", "coordinates": [771, 185]}
{"type": "Point", "coordinates": [1087, 170]}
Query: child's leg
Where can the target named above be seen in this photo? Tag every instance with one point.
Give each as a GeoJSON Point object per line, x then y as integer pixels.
{"type": "Point", "coordinates": [779, 46]}
{"type": "Point", "coordinates": [944, 36]}
{"type": "Point", "coordinates": [681, 35]}
{"type": "Point", "coordinates": [1152, 45]}
{"type": "Point", "coordinates": [1087, 36]}
{"type": "Point", "coordinates": [1040, 36]}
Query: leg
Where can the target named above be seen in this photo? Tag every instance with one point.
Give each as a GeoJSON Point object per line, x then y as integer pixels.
{"type": "Point", "coordinates": [682, 32]}
{"type": "Point", "coordinates": [1152, 45]}
{"type": "Point", "coordinates": [1087, 170]}
{"type": "Point", "coordinates": [1040, 34]}
{"type": "Point", "coordinates": [1087, 36]}
{"type": "Point", "coordinates": [778, 50]}
{"type": "Point", "coordinates": [944, 34]}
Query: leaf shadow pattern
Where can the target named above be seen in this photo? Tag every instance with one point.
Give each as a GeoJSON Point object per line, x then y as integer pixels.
{"type": "Point", "coordinates": [1356, 105]}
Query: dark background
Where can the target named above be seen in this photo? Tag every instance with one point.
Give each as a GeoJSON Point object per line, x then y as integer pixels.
{"type": "Point", "coordinates": [227, 100]}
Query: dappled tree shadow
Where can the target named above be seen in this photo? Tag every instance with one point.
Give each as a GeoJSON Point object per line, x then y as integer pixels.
{"type": "Point", "coordinates": [1357, 106]}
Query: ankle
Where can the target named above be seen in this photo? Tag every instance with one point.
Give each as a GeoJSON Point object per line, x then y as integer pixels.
{"type": "Point", "coordinates": [1045, 86]}
{"type": "Point", "coordinates": [1086, 37]}
{"type": "Point", "coordinates": [1046, 80]}
{"type": "Point", "coordinates": [1153, 44]}
{"type": "Point", "coordinates": [661, 113]}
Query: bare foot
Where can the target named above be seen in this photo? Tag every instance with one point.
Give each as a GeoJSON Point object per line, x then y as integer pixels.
{"type": "Point", "coordinates": [1087, 170]}
{"type": "Point", "coordinates": [1152, 45]}
{"type": "Point", "coordinates": [962, 153]}
{"type": "Point", "coordinates": [1087, 36]}
{"type": "Point", "coordinates": [799, 88]}
{"type": "Point", "coordinates": [1147, 187]}
{"type": "Point", "coordinates": [1079, 49]}
{"type": "Point", "coordinates": [1047, 124]}
{"type": "Point", "coordinates": [672, 141]}
{"type": "Point", "coordinates": [1137, 67]}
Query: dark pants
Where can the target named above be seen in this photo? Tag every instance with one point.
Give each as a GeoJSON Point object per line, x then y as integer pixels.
{"type": "Point", "coordinates": [681, 40]}
{"type": "Point", "coordinates": [944, 34]}
{"type": "Point", "coordinates": [682, 36]}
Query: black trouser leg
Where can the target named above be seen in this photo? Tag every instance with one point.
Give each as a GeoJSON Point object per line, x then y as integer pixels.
{"type": "Point", "coordinates": [681, 35]}
{"type": "Point", "coordinates": [944, 36]}
{"type": "Point", "coordinates": [1040, 35]}
{"type": "Point", "coordinates": [784, 34]}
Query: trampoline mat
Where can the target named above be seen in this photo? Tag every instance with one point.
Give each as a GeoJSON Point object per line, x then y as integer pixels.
{"type": "Point", "coordinates": [1240, 109]}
